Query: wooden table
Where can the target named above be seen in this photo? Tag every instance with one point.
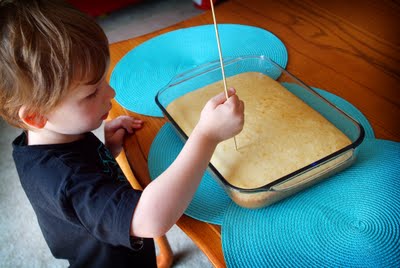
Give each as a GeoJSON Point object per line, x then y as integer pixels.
{"type": "Point", "coordinates": [350, 48]}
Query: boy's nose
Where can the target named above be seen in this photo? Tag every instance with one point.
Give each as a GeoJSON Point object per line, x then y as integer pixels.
{"type": "Point", "coordinates": [110, 91]}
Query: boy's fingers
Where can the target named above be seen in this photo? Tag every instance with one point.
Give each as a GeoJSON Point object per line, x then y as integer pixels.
{"type": "Point", "coordinates": [236, 103]}
{"type": "Point", "coordinates": [131, 125]}
{"type": "Point", "coordinates": [136, 126]}
{"type": "Point", "coordinates": [241, 105]}
{"type": "Point", "coordinates": [124, 121]}
{"type": "Point", "coordinates": [218, 99]}
{"type": "Point", "coordinates": [221, 97]}
{"type": "Point", "coordinates": [233, 99]}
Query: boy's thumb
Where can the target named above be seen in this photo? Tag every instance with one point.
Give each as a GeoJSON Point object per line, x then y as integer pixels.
{"type": "Point", "coordinates": [119, 134]}
{"type": "Point", "coordinates": [221, 97]}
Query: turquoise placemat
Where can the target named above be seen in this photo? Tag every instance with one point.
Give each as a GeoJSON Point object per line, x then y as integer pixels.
{"type": "Point", "coordinates": [349, 220]}
{"type": "Point", "coordinates": [143, 71]}
{"type": "Point", "coordinates": [210, 201]}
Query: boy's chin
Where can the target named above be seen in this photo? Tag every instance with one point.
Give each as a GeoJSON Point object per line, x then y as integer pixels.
{"type": "Point", "coordinates": [98, 125]}
{"type": "Point", "coordinates": [104, 117]}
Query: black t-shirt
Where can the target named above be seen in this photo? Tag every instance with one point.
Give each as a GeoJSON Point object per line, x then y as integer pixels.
{"type": "Point", "coordinates": [83, 203]}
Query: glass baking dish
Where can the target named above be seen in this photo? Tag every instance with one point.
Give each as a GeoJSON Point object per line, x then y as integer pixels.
{"type": "Point", "coordinates": [286, 184]}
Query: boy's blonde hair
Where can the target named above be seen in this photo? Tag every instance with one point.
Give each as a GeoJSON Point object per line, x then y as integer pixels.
{"type": "Point", "coordinates": [46, 48]}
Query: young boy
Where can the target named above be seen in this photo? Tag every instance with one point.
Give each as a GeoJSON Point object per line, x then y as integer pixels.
{"type": "Point", "coordinates": [52, 85]}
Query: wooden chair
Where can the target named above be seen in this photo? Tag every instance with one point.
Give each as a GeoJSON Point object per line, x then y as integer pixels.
{"type": "Point", "coordinates": [165, 256]}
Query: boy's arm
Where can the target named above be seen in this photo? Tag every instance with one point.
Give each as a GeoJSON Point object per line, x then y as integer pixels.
{"type": "Point", "coordinates": [165, 199]}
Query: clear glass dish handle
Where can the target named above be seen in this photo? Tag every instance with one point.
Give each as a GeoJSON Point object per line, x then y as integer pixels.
{"type": "Point", "coordinates": [321, 171]}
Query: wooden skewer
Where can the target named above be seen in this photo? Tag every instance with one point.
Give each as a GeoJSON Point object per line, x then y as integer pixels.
{"type": "Point", "coordinates": [219, 48]}
{"type": "Point", "coordinates": [220, 57]}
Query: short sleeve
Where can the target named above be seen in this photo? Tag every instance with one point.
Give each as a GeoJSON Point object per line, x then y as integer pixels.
{"type": "Point", "coordinates": [104, 206]}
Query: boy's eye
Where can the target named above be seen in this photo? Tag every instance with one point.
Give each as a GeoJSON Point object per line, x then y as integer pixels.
{"type": "Point", "coordinates": [94, 94]}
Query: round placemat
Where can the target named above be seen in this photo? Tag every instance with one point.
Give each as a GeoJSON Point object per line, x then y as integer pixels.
{"type": "Point", "coordinates": [351, 220]}
{"type": "Point", "coordinates": [210, 201]}
{"type": "Point", "coordinates": [143, 71]}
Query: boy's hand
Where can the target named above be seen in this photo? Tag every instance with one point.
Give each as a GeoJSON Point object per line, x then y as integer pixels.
{"type": "Point", "coordinates": [222, 118]}
{"type": "Point", "coordinates": [114, 132]}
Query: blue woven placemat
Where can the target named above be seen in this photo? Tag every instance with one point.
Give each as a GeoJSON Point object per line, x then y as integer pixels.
{"type": "Point", "coordinates": [210, 201]}
{"type": "Point", "coordinates": [351, 220]}
{"type": "Point", "coordinates": [143, 71]}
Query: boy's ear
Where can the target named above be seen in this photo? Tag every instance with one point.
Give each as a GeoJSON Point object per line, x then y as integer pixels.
{"type": "Point", "coordinates": [32, 120]}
